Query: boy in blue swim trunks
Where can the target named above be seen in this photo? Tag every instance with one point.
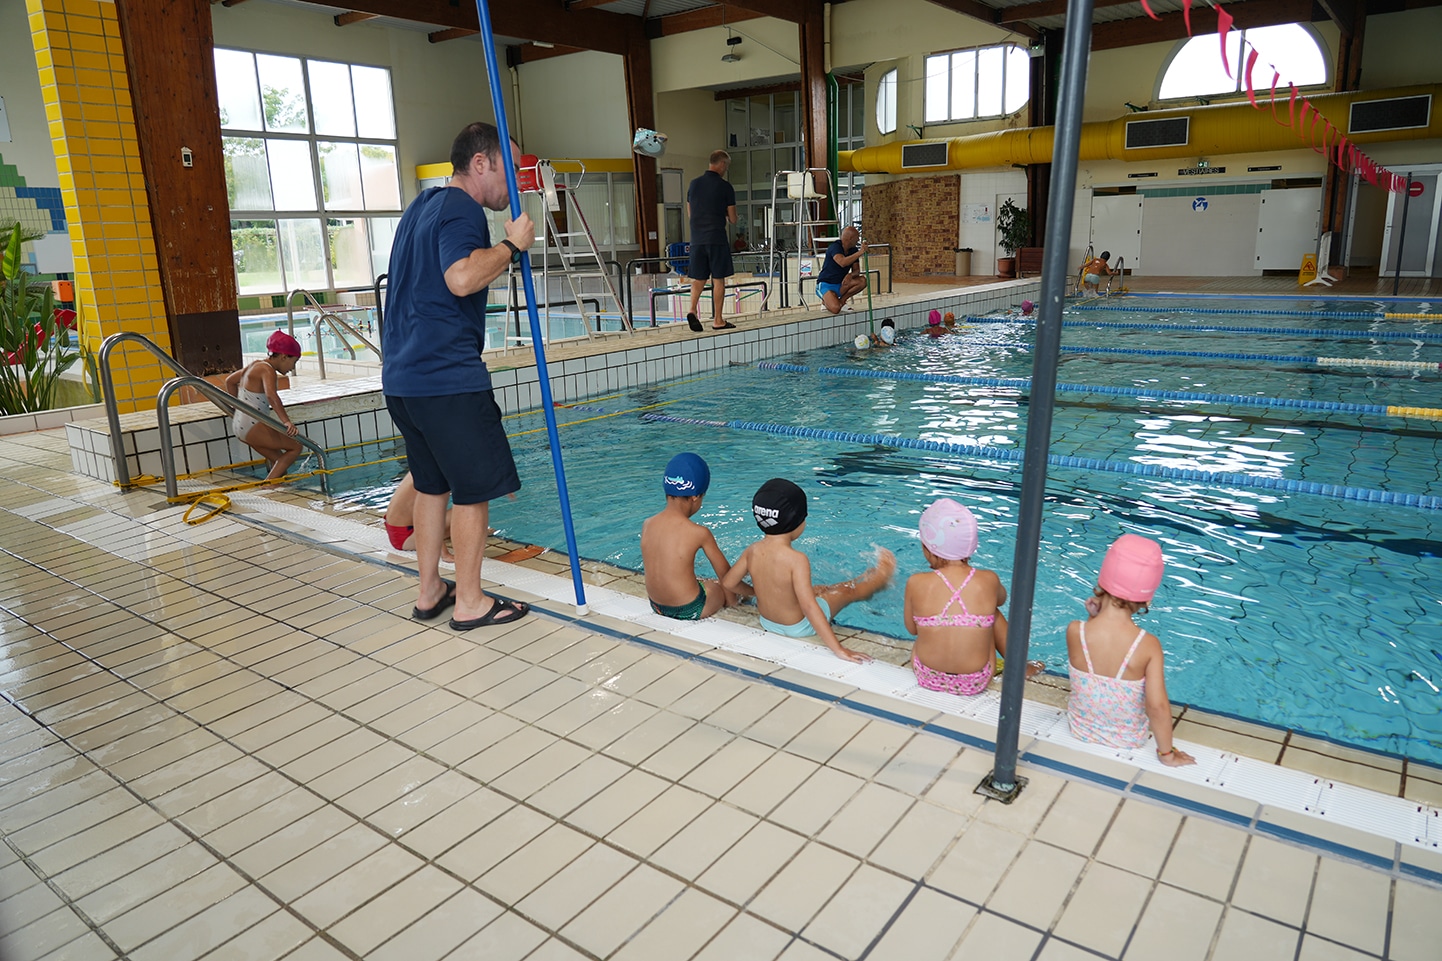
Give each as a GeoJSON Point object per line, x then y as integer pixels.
{"type": "Point", "coordinates": [788, 602]}
{"type": "Point", "coordinates": [670, 540]}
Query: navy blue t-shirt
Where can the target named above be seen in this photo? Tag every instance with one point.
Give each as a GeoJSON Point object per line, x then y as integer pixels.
{"type": "Point", "coordinates": [709, 196]}
{"type": "Point", "coordinates": [432, 339]}
{"type": "Point", "coordinates": [831, 271]}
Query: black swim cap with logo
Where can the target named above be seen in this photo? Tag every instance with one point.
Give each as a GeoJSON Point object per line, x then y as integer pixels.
{"type": "Point", "coordinates": [779, 507]}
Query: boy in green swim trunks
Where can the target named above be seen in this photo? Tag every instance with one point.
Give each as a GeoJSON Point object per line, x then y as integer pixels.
{"type": "Point", "coordinates": [789, 604]}
{"type": "Point", "coordinates": [670, 540]}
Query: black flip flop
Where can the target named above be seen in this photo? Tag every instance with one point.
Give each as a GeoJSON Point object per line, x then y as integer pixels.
{"type": "Point", "coordinates": [695, 323]}
{"type": "Point", "coordinates": [431, 613]}
{"type": "Point", "coordinates": [726, 326]}
{"type": "Point", "coordinates": [496, 616]}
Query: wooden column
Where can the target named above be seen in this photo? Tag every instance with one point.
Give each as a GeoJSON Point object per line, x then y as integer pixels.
{"type": "Point", "coordinates": [815, 133]}
{"type": "Point", "coordinates": [641, 105]}
{"type": "Point", "coordinates": [169, 53]}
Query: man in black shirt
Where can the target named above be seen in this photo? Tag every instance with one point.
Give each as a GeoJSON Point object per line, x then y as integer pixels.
{"type": "Point", "coordinates": [841, 278]}
{"type": "Point", "coordinates": [711, 205]}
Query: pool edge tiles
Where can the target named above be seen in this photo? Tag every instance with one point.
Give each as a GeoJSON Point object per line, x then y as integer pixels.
{"type": "Point", "coordinates": [1383, 832]}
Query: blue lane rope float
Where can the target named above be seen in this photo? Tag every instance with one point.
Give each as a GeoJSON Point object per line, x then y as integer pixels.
{"type": "Point", "coordinates": [1407, 365]}
{"type": "Point", "coordinates": [1014, 457]}
{"type": "Point", "coordinates": [1023, 383]}
{"type": "Point", "coordinates": [1218, 328]}
{"type": "Point", "coordinates": [1131, 307]}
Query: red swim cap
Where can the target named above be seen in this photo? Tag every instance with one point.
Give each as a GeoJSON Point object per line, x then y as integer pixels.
{"type": "Point", "coordinates": [282, 343]}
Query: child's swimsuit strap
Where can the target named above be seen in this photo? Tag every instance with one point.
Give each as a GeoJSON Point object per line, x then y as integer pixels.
{"type": "Point", "coordinates": [1086, 652]}
{"type": "Point", "coordinates": [956, 592]}
{"type": "Point", "coordinates": [1130, 651]}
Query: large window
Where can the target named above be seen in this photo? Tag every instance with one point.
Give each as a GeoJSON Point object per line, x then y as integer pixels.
{"type": "Point", "coordinates": [310, 170]}
{"type": "Point", "coordinates": [886, 102]}
{"type": "Point", "coordinates": [1196, 68]}
{"type": "Point", "coordinates": [972, 84]}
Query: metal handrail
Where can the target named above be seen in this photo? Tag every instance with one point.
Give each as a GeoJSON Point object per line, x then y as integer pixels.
{"type": "Point", "coordinates": [1116, 272]}
{"type": "Point", "coordinates": [1082, 270]}
{"type": "Point", "coordinates": [340, 327]}
{"type": "Point", "coordinates": [107, 387]}
{"type": "Point", "coordinates": [380, 310]}
{"type": "Point", "coordinates": [223, 400]}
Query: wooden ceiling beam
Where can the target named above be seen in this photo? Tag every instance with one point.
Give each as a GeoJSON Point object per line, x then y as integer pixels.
{"type": "Point", "coordinates": [451, 33]}
{"type": "Point", "coordinates": [717, 16]}
{"type": "Point", "coordinates": [1047, 8]}
{"type": "Point", "coordinates": [792, 11]}
{"type": "Point", "coordinates": [1253, 13]}
{"type": "Point", "coordinates": [980, 11]}
{"type": "Point", "coordinates": [354, 16]}
{"type": "Point", "coordinates": [520, 53]}
{"type": "Point", "coordinates": [585, 4]}
{"type": "Point", "coordinates": [544, 20]}
{"type": "Point", "coordinates": [1342, 12]}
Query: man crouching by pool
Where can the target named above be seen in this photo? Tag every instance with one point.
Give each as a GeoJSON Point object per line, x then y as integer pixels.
{"type": "Point", "coordinates": [841, 277]}
{"type": "Point", "coordinates": [669, 544]}
{"type": "Point", "coordinates": [436, 385]}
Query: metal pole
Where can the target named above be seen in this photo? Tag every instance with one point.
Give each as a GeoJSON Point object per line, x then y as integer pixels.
{"type": "Point", "coordinates": [498, 103]}
{"type": "Point", "coordinates": [1003, 783]}
{"type": "Point", "coordinates": [1402, 236]}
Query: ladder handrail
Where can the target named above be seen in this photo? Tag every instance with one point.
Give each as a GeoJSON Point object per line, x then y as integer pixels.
{"type": "Point", "coordinates": [222, 399]}
{"type": "Point", "coordinates": [340, 327]}
{"type": "Point", "coordinates": [1082, 270]}
{"type": "Point", "coordinates": [1116, 272]}
{"type": "Point", "coordinates": [107, 387]}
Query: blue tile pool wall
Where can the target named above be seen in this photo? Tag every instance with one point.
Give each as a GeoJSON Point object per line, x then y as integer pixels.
{"type": "Point", "coordinates": [203, 441]}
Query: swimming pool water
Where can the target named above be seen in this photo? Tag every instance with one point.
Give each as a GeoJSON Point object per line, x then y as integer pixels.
{"type": "Point", "coordinates": [1296, 610]}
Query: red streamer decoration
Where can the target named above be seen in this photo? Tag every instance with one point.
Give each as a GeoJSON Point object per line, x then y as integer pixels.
{"type": "Point", "coordinates": [1224, 26]}
{"type": "Point", "coordinates": [1148, 8]}
{"type": "Point", "coordinates": [1251, 95]}
{"type": "Point", "coordinates": [1187, 15]}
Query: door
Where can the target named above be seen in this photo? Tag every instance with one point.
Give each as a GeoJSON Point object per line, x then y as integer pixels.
{"type": "Point", "coordinates": [1287, 226]}
{"type": "Point", "coordinates": [1117, 227]}
{"type": "Point", "coordinates": [1417, 241]}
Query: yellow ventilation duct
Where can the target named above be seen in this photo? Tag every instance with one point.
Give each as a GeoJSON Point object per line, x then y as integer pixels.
{"type": "Point", "coordinates": [1221, 129]}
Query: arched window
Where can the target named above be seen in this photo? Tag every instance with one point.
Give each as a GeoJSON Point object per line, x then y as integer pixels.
{"type": "Point", "coordinates": [1196, 67]}
{"type": "Point", "coordinates": [886, 102]}
{"type": "Point", "coordinates": [971, 84]}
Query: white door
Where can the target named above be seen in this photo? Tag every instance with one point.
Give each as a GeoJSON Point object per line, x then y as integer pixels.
{"type": "Point", "coordinates": [1117, 227]}
{"type": "Point", "coordinates": [1418, 242]}
{"type": "Point", "coordinates": [1287, 226]}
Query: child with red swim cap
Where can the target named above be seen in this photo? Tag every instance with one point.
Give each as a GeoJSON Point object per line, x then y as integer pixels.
{"type": "Point", "coordinates": [1118, 688]}
{"type": "Point", "coordinates": [256, 385]}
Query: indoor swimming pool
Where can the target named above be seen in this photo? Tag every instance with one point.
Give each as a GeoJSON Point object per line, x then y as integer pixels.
{"type": "Point", "coordinates": [1296, 500]}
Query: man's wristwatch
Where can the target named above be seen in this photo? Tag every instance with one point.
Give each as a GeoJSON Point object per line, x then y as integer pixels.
{"type": "Point", "coordinates": [515, 251]}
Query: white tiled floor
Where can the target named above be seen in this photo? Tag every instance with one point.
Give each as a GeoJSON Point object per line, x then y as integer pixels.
{"type": "Point", "coordinates": [238, 746]}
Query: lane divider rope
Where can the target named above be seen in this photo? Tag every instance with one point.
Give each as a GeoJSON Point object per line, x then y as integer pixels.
{"type": "Point", "coordinates": [1014, 457]}
{"type": "Point", "coordinates": [1024, 383]}
{"type": "Point", "coordinates": [1218, 328]}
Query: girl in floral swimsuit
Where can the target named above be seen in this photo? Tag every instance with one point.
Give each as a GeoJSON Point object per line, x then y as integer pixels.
{"type": "Point", "coordinates": [1118, 687]}
{"type": "Point", "coordinates": [956, 647]}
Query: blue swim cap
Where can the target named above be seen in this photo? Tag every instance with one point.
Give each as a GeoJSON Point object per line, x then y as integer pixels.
{"type": "Point", "coordinates": [687, 476]}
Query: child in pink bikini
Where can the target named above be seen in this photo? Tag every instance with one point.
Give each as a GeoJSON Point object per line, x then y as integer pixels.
{"type": "Point", "coordinates": [1118, 688]}
{"type": "Point", "coordinates": [956, 648]}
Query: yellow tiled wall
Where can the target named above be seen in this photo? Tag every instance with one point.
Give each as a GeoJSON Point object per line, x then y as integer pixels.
{"type": "Point", "coordinates": [87, 101]}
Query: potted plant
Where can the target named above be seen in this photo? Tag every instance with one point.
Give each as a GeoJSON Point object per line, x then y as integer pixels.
{"type": "Point", "coordinates": [35, 342]}
{"type": "Point", "coordinates": [1014, 227]}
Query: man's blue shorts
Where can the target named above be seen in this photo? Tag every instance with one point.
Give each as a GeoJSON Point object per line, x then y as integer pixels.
{"type": "Point", "coordinates": [710, 262]}
{"type": "Point", "coordinates": [822, 289]}
{"type": "Point", "coordinates": [456, 444]}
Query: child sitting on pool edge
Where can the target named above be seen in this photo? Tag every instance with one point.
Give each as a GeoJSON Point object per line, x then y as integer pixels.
{"type": "Point", "coordinates": [1118, 683]}
{"type": "Point", "coordinates": [956, 648]}
{"type": "Point", "coordinates": [789, 604]}
{"type": "Point", "coordinates": [670, 540]}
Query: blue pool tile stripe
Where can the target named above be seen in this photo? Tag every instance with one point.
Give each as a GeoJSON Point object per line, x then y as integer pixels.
{"type": "Point", "coordinates": [882, 713]}
{"type": "Point", "coordinates": [1004, 456]}
{"type": "Point", "coordinates": [1426, 338]}
{"type": "Point", "coordinates": [1187, 803]}
{"type": "Point", "coordinates": [1071, 770]}
{"type": "Point", "coordinates": [1412, 870]}
{"type": "Point", "coordinates": [1323, 844]}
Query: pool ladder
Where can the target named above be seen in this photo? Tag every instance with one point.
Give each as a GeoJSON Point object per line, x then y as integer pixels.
{"type": "Point", "coordinates": [184, 378]}
{"type": "Point", "coordinates": [327, 317]}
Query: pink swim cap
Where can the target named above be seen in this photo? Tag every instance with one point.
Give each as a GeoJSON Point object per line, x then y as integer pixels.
{"type": "Point", "coordinates": [948, 530]}
{"type": "Point", "coordinates": [1027, 306]}
{"type": "Point", "coordinates": [1132, 569]}
{"type": "Point", "coordinates": [934, 317]}
{"type": "Point", "coordinates": [282, 343]}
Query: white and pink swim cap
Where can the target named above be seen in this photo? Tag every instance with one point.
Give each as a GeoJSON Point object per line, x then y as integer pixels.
{"type": "Point", "coordinates": [948, 530]}
{"type": "Point", "coordinates": [1132, 569]}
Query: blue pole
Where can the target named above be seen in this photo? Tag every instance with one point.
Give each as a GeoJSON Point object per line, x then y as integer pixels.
{"type": "Point", "coordinates": [498, 103]}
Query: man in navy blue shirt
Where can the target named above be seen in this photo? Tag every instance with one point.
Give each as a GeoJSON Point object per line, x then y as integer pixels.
{"type": "Point", "coordinates": [841, 278]}
{"type": "Point", "coordinates": [711, 205]}
{"type": "Point", "coordinates": [437, 387]}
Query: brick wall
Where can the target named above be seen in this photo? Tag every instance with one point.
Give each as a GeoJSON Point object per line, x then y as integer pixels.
{"type": "Point", "coordinates": [918, 216]}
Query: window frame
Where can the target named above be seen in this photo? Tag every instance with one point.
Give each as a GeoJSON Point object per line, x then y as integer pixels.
{"type": "Point", "coordinates": [975, 54]}
{"type": "Point", "coordinates": [1239, 70]}
{"type": "Point", "coordinates": [320, 215]}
